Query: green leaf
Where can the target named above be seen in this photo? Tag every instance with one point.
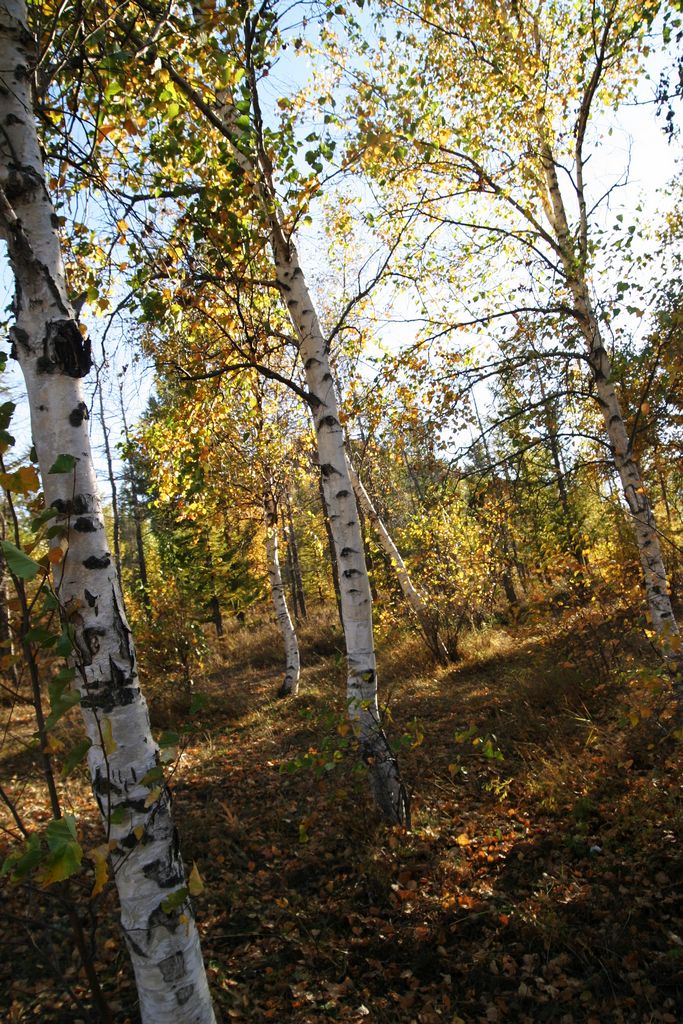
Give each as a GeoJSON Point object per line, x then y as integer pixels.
{"type": "Point", "coordinates": [42, 636]}
{"type": "Point", "coordinates": [75, 756]}
{"type": "Point", "coordinates": [66, 854]}
{"type": "Point", "coordinates": [65, 644]}
{"type": "Point", "coordinates": [20, 564]}
{"type": "Point", "coordinates": [6, 411]}
{"type": "Point", "coordinates": [174, 901]}
{"type": "Point", "coordinates": [63, 464]}
{"type": "Point", "coordinates": [153, 775]}
{"type": "Point", "coordinates": [60, 703]}
{"type": "Point", "coordinates": [50, 601]}
{"type": "Point", "coordinates": [118, 815]}
{"type": "Point", "coordinates": [22, 864]}
{"type": "Point", "coordinates": [169, 739]}
{"type": "Point", "coordinates": [42, 518]}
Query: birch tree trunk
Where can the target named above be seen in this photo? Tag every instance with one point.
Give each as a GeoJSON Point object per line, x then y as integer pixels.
{"type": "Point", "coordinates": [53, 355]}
{"type": "Point", "coordinates": [356, 601]}
{"type": "Point", "coordinates": [412, 595]}
{"type": "Point", "coordinates": [633, 488]}
{"type": "Point", "coordinates": [290, 684]}
{"type": "Point", "coordinates": [293, 549]}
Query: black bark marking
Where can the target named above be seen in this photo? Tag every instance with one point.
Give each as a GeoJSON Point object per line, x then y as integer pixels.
{"type": "Point", "coordinates": [91, 599]}
{"type": "Point", "coordinates": [327, 469]}
{"type": "Point", "coordinates": [17, 336]}
{"type": "Point", "coordinates": [77, 415]}
{"type": "Point", "coordinates": [63, 507]}
{"type": "Point", "coordinates": [312, 361]}
{"type": "Point", "coordinates": [349, 573]}
{"type": "Point", "coordinates": [173, 967]}
{"type": "Point", "coordinates": [84, 503]}
{"type": "Point", "coordinates": [98, 562]}
{"type": "Point", "coordinates": [328, 421]}
{"type": "Point", "coordinates": [168, 870]}
{"type": "Point", "coordinates": [92, 635]}
{"type": "Point", "coordinates": [345, 552]}
{"type": "Point", "coordinates": [184, 994]}
{"type": "Point", "coordinates": [342, 494]}
{"type": "Point", "coordinates": [65, 348]}
{"type": "Point", "coordinates": [84, 525]}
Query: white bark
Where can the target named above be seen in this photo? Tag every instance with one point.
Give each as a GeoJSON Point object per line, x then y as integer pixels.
{"type": "Point", "coordinates": [290, 684]}
{"type": "Point", "coordinates": [53, 355]}
{"type": "Point", "coordinates": [408, 588]}
{"type": "Point", "coordinates": [640, 509]}
{"type": "Point", "coordinates": [356, 600]}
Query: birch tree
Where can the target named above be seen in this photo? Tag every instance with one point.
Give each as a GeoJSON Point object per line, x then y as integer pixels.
{"type": "Point", "coordinates": [518, 160]}
{"type": "Point", "coordinates": [54, 355]}
{"type": "Point", "coordinates": [233, 55]}
{"type": "Point", "coordinates": [290, 684]}
{"type": "Point", "coordinates": [416, 601]}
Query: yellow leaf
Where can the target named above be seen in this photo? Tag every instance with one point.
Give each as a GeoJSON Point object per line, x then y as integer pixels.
{"type": "Point", "coordinates": [99, 857]}
{"type": "Point", "coordinates": [463, 839]}
{"type": "Point", "coordinates": [194, 882]}
{"type": "Point", "coordinates": [108, 742]}
{"type": "Point", "coordinates": [152, 796]}
{"type": "Point", "coordinates": [139, 832]}
{"type": "Point", "coordinates": [28, 478]}
{"type": "Point", "coordinates": [55, 556]}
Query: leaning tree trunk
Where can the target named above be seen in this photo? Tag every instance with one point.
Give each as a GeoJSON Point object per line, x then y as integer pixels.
{"type": "Point", "coordinates": [53, 354]}
{"type": "Point", "coordinates": [356, 600]}
{"type": "Point", "coordinates": [412, 595]}
{"type": "Point", "coordinates": [290, 684]}
{"type": "Point", "coordinates": [633, 488]}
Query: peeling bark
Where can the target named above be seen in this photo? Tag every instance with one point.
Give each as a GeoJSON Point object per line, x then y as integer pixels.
{"type": "Point", "coordinates": [54, 355]}
{"type": "Point", "coordinates": [290, 684]}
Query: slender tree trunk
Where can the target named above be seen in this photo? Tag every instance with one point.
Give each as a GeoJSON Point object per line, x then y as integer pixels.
{"type": "Point", "coordinates": [114, 493]}
{"type": "Point", "coordinates": [330, 547]}
{"type": "Point", "coordinates": [356, 601]}
{"type": "Point", "coordinates": [290, 684]}
{"type": "Point", "coordinates": [412, 595]}
{"type": "Point", "coordinates": [137, 518]}
{"type": "Point", "coordinates": [293, 547]}
{"type": "Point", "coordinates": [633, 488]}
{"type": "Point", "coordinates": [53, 355]}
{"type": "Point", "coordinates": [369, 564]}
{"type": "Point", "coordinates": [216, 616]}
{"type": "Point", "coordinates": [289, 568]}
{"type": "Point", "coordinates": [7, 646]}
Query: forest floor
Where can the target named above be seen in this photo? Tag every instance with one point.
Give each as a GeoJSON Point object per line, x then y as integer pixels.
{"type": "Point", "coordinates": [541, 881]}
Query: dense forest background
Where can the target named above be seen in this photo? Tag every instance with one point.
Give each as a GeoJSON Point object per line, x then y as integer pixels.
{"type": "Point", "coordinates": [341, 457]}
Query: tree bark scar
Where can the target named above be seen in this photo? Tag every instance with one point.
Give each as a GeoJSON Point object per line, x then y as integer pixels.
{"type": "Point", "coordinates": [184, 994]}
{"type": "Point", "coordinates": [98, 562]}
{"type": "Point", "coordinates": [83, 504]}
{"type": "Point", "coordinates": [64, 347]}
{"type": "Point", "coordinates": [78, 415]}
{"type": "Point", "coordinates": [84, 525]}
{"type": "Point", "coordinates": [173, 967]}
{"type": "Point", "coordinates": [327, 470]}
